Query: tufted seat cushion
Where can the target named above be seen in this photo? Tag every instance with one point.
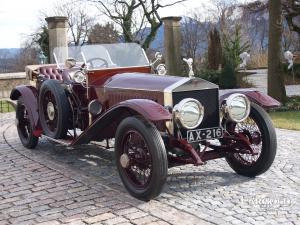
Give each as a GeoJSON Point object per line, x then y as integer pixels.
{"type": "Point", "coordinates": [50, 72]}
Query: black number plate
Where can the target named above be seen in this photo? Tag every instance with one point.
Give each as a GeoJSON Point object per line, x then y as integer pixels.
{"type": "Point", "coordinates": [204, 134]}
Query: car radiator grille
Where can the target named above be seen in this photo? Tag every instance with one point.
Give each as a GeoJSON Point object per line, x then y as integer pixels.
{"type": "Point", "coordinates": [209, 98]}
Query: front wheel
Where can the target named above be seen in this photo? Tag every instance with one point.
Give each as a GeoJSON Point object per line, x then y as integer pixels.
{"type": "Point", "coordinates": [54, 109]}
{"type": "Point", "coordinates": [24, 126]}
{"type": "Point", "coordinates": [141, 158]}
{"type": "Point", "coordinates": [258, 128]}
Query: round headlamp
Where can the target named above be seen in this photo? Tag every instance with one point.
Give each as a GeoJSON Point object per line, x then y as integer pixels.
{"type": "Point", "coordinates": [79, 77]}
{"type": "Point", "coordinates": [237, 107]}
{"type": "Point", "coordinates": [189, 113]}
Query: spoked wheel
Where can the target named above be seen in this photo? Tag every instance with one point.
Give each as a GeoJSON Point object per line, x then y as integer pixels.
{"type": "Point", "coordinates": [24, 126]}
{"type": "Point", "coordinates": [54, 109]}
{"type": "Point", "coordinates": [50, 110]}
{"type": "Point", "coordinates": [141, 158]}
{"type": "Point", "coordinates": [259, 130]}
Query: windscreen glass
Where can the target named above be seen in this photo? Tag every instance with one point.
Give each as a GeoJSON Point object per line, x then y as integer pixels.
{"type": "Point", "coordinates": [104, 56]}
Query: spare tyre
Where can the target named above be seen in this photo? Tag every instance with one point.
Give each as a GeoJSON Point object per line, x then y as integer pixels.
{"type": "Point", "coordinates": [54, 109]}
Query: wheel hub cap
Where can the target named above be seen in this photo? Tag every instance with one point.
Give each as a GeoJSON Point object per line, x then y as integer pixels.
{"type": "Point", "coordinates": [50, 111]}
{"type": "Point", "coordinates": [124, 160]}
{"type": "Point", "coordinates": [256, 138]}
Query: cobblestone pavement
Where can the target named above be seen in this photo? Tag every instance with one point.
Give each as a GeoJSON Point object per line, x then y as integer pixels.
{"type": "Point", "coordinates": [54, 185]}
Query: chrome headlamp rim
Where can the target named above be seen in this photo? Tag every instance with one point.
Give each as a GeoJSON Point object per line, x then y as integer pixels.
{"type": "Point", "coordinates": [178, 108]}
{"type": "Point", "coordinates": [75, 73]}
{"type": "Point", "coordinates": [228, 111]}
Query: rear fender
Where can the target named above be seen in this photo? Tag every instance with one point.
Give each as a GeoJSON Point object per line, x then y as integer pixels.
{"type": "Point", "coordinates": [28, 94]}
{"type": "Point", "coordinates": [106, 125]}
{"type": "Point", "coordinates": [257, 97]}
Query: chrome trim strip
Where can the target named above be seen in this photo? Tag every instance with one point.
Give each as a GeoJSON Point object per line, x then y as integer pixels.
{"type": "Point", "coordinates": [146, 56]}
{"type": "Point", "coordinates": [175, 85]}
{"type": "Point", "coordinates": [135, 89]}
{"type": "Point", "coordinates": [113, 68]}
{"type": "Point", "coordinates": [168, 99]}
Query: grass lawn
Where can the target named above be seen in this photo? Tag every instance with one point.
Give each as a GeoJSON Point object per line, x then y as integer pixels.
{"type": "Point", "coordinates": [286, 120]}
{"type": "Point", "coordinates": [6, 107]}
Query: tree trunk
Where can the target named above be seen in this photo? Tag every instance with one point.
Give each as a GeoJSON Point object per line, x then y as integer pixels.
{"type": "Point", "coordinates": [276, 87]}
{"type": "Point", "coordinates": [151, 36]}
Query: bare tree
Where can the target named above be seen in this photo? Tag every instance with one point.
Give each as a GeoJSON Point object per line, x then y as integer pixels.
{"type": "Point", "coordinates": [194, 33]}
{"type": "Point", "coordinates": [290, 11]}
{"type": "Point", "coordinates": [222, 13]}
{"type": "Point", "coordinates": [276, 86]}
{"type": "Point", "coordinates": [28, 55]}
{"type": "Point", "coordinates": [290, 39]}
{"type": "Point", "coordinates": [256, 28]}
{"type": "Point", "coordinates": [79, 19]}
{"type": "Point", "coordinates": [292, 14]}
{"type": "Point", "coordinates": [4, 61]}
{"type": "Point", "coordinates": [134, 16]}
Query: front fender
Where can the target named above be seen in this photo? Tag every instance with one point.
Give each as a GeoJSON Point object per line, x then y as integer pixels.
{"type": "Point", "coordinates": [106, 125]}
{"type": "Point", "coordinates": [28, 95]}
{"type": "Point", "coordinates": [257, 97]}
{"type": "Point", "coordinates": [150, 110]}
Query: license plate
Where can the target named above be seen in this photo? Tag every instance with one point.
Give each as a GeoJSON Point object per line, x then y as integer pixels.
{"type": "Point", "coordinates": [204, 134]}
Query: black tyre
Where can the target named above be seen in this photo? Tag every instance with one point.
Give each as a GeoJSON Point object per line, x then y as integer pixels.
{"type": "Point", "coordinates": [141, 158]}
{"type": "Point", "coordinates": [24, 126]}
{"type": "Point", "coordinates": [54, 109]}
{"type": "Point", "coordinates": [260, 129]}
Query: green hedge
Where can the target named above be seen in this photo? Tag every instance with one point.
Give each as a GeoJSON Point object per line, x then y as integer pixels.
{"type": "Point", "coordinates": [209, 75]}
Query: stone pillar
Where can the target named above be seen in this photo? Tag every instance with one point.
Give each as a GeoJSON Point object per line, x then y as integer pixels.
{"type": "Point", "coordinates": [58, 26]}
{"type": "Point", "coordinates": [172, 45]}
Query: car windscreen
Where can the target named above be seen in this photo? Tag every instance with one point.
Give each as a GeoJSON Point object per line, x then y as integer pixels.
{"type": "Point", "coordinates": [104, 55]}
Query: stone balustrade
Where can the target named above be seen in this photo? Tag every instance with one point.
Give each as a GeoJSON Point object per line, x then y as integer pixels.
{"type": "Point", "coordinates": [9, 80]}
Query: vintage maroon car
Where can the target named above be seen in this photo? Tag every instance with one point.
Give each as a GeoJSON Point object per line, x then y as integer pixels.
{"type": "Point", "coordinates": [99, 92]}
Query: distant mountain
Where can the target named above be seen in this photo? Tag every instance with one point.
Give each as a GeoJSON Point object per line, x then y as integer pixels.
{"type": "Point", "coordinates": [9, 52]}
{"type": "Point", "coordinates": [7, 59]}
{"type": "Point", "coordinates": [158, 42]}
{"type": "Point", "coordinates": [255, 25]}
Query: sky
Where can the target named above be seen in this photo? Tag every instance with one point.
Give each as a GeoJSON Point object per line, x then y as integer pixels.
{"type": "Point", "coordinates": [19, 18]}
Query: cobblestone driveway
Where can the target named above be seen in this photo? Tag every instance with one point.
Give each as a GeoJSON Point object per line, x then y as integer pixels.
{"type": "Point", "coordinates": [54, 185]}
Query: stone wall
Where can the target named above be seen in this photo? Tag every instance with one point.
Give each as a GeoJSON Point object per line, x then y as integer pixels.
{"type": "Point", "coordinates": [9, 80]}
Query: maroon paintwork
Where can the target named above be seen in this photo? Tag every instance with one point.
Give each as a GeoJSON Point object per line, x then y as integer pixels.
{"type": "Point", "coordinates": [130, 91]}
{"type": "Point", "coordinates": [126, 86]}
{"type": "Point", "coordinates": [98, 77]}
{"type": "Point", "coordinates": [149, 116]}
{"type": "Point", "coordinates": [257, 97]}
{"type": "Point", "coordinates": [29, 95]}
{"type": "Point", "coordinates": [109, 120]}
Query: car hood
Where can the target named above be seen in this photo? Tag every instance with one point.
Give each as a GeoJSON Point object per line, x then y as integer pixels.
{"type": "Point", "coordinates": [152, 82]}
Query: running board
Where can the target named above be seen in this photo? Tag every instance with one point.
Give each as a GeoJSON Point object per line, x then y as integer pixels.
{"type": "Point", "coordinates": [59, 141]}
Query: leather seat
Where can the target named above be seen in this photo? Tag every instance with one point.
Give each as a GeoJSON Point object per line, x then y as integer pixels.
{"type": "Point", "coordinates": [51, 72]}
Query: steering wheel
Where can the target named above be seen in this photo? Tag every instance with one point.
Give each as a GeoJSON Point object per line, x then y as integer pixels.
{"type": "Point", "coordinates": [93, 64]}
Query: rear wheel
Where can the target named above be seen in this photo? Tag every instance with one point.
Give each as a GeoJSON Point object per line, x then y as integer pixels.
{"type": "Point", "coordinates": [24, 126]}
{"type": "Point", "coordinates": [141, 158]}
{"type": "Point", "coordinates": [259, 129]}
{"type": "Point", "coordinates": [54, 109]}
